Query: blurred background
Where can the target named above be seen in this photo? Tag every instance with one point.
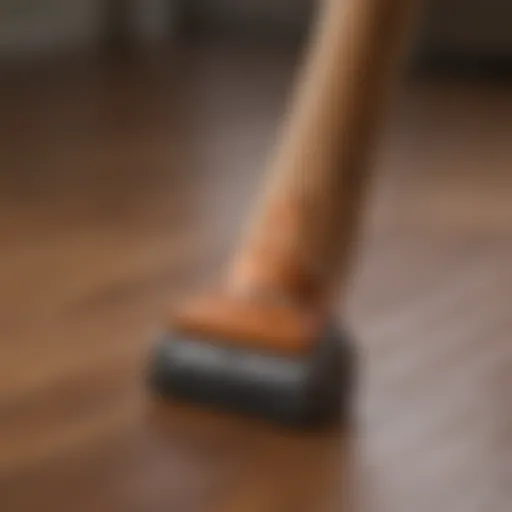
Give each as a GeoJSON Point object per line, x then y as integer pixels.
{"type": "Point", "coordinates": [133, 136]}
{"type": "Point", "coordinates": [471, 30]}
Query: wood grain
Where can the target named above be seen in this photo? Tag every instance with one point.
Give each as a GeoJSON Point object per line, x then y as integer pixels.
{"type": "Point", "coordinates": [301, 238]}
{"type": "Point", "coordinates": [122, 188]}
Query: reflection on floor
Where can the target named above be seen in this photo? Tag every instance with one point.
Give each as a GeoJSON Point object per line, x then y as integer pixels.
{"type": "Point", "coordinates": [122, 186]}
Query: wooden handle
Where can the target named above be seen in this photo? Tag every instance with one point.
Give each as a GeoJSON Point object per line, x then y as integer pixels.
{"type": "Point", "coordinates": [303, 228]}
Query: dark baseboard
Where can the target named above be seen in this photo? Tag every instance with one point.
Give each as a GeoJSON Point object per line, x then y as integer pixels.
{"type": "Point", "coordinates": [474, 65]}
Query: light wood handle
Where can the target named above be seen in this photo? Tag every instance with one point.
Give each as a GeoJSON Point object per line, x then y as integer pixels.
{"type": "Point", "coordinates": [301, 234]}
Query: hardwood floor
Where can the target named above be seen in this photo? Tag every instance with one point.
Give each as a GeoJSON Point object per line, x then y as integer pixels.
{"type": "Point", "coordinates": [123, 186]}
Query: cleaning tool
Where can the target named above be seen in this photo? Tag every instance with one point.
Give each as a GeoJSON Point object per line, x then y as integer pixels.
{"type": "Point", "coordinates": [264, 341]}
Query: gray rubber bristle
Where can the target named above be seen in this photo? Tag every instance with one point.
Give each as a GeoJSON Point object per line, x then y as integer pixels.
{"type": "Point", "coordinates": [308, 390]}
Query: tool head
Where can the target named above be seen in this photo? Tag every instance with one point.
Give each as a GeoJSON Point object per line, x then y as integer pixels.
{"type": "Point", "coordinates": [310, 386]}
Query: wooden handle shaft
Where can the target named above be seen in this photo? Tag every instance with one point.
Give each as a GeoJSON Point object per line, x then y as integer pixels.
{"type": "Point", "coordinates": [300, 236]}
